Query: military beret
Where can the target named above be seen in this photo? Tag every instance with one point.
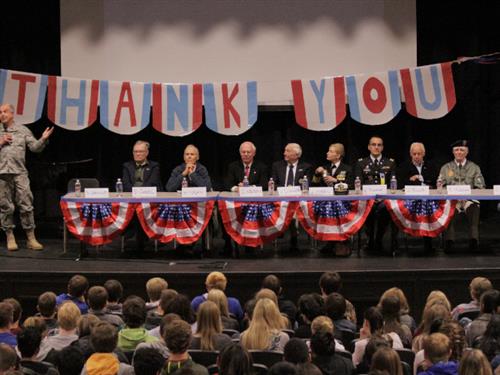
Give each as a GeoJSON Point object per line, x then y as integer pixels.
{"type": "Point", "coordinates": [460, 143]}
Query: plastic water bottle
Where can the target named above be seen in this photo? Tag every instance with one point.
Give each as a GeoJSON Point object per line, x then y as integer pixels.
{"type": "Point", "coordinates": [382, 178]}
{"type": "Point", "coordinates": [246, 183]}
{"type": "Point", "coordinates": [270, 186]}
{"type": "Point", "coordinates": [119, 187]}
{"type": "Point", "coordinates": [357, 185]}
{"type": "Point", "coordinates": [394, 184]}
{"type": "Point", "coordinates": [78, 188]}
{"type": "Point", "coordinates": [439, 184]}
{"type": "Point", "coordinates": [305, 185]}
{"type": "Point", "coordinates": [184, 183]}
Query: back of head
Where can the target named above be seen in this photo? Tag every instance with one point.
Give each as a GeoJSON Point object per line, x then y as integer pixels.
{"type": "Point", "coordinates": [267, 293]}
{"type": "Point", "coordinates": [456, 333]}
{"type": "Point", "coordinates": [322, 323]}
{"type": "Point", "coordinates": [234, 359]}
{"type": "Point", "coordinates": [181, 305]}
{"type": "Point", "coordinates": [335, 306]}
{"type": "Point", "coordinates": [177, 336]}
{"type": "Point", "coordinates": [77, 286]}
{"type": "Point", "coordinates": [296, 351]}
{"type": "Point", "coordinates": [437, 348]}
{"type": "Point", "coordinates": [391, 306]}
{"type": "Point", "coordinates": [68, 316]}
{"type": "Point", "coordinates": [17, 310]}
{"type": "Point", "coordinates": [330, 282]}
{"type": "Point", "coordinates": [86, 323]}
{"type": "Point", "coordinates": [375, 343]}
{"type": "Point", "coordinates": [104, 337]}
{"type": "Point", "coordinates": [490, 342]}
{"type": "Point", "coordinates": [374, 317]}
{"type": "Point", "coordinates": [478, 286]}
{"type": "Point", "coordinates": [97, 297]}
{"type": "Point", "coordinates": [311, 305]}
{"type": "Point", "coordinates": [148, 361]}
{"type": "Point", "coordinates": [28, 342]}
{"type": "Point", "coordinates": [47, 304]}
{"type": "Point", "coordinates": [322, 343]}
{"type": "Point", "coordinates": [219, 298]}
{"type": "Point", "coordinates": [209, 324]}
{"type": "Point", "coordinates": [70, 360]}
{"type": "Point", "coordinates": [216, 280]}
{"type": "Point", "coordinates": [489, 301]}
{"type": "Point", "coordinates": [154, 288]}
{"type": "Point", "coordinates": [166, 296]}
{"type": "Point", "coordinates": [282, 368]}
{"type": "Point", "coordinates": [405, 308]}
{"type": "Point", "coordinates": [6, 315]}
{"type": "Point", "coordinates": [36, 322]}
{"type": "Point", "coordinates": [8, 357]}
{"type": "Point", "coordinates": [308, 368]}
{"type": "Point", "coordinates": [267, 313]}
{"type": "Point", "coordinates": [432, 313]}
{"type": "Point", "coordinates": [474, 362]}
{"type": "Point", "coordinates": [114, 289]}
{"type": "Point", "coordinates": [134, 312]}
{"type": "Point", "coordinates": [272, 282]}
{"type": "Point", "coordinates": [387, 359]}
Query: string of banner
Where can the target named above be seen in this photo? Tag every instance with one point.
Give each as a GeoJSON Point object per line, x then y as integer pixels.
{"type": "Point", "coordinates": [231, 108]}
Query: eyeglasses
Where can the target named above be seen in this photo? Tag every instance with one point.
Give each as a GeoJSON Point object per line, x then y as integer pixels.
{"type": "Point", "coordinates": [376, 144]}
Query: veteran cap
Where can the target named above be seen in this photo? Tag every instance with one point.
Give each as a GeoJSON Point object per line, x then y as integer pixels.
{"type": "Point", "coordinates": [460, 143]}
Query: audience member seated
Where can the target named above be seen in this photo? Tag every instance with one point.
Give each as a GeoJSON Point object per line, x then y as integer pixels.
{"type": "Point", "coordinates": [268, 293]}
{"type": "Point", "coordinates": [104, 338]}
{"type": "Point", "coordinates": [391, 307]}
{"type": "Point", "coordinates": [264, 331]}
{"type": "Point", "coordinates": [386, 359]}
{"type": "Point", "coordinates": [178, 339]}
{"type": "Point", "coordinates": [154, 317]}
{"type": "Point", "coordinates": [217, 280]}
{"type": "Point", "coordinates": [181, 306]}
{"type": "Point", "coordinates": [489, 343]}
{"type": "Point", "coordinates": [296, 351]}
{"type": "Point", "coordinates": [134, 315]}
{"type": "Point", "coordinates": [437, 352]}
{"type": "Point", "coordinates": [77, 287]}
{"type": "Point", "coordinates": [39, 324]}
{"type": "Point", "coordinates": [209, 334]}
{"type": "Point", "coordinates": [477, 287]}
{"type": "Point", "coordinates": [68, 316]}
{"type": "Point", "coordinates": [98, 299]}
{"type": "Point", "coordinates": [6, 314]}
{"type": "Point", "coordinates": [324, 323]}
{"type": "Point", "coordinates": [325, 357]}
{"type": "Point", "coordinates": [70, 361]}
{"type": "Point", "coordinates": [429, 316]}
{"type": "Point", "coordinates": [218, 297]}
{"type": "Point", "coordinates": [46, 308]}
{"type": "Point", "coordinates": [286, 306]}
{"type": "Point", "coordinates": [115, 293]}
{"type": "Point", "coordinates": [310, 306]}
{"type": "Point", "coordinates": [489, 303]}
{"type": "Point", "coordinates": [235, 360]}
{"type": "Point", "coordinates": [85, 325]}
{"type": "Point", "coordinates": [8, 358]}
{"type": "Point", "coordinates": [28, 344]}
{"type": "Point", "coordinates": [160, 345]}
{"type": "Point", "coordinates": [308, 368]}
{"type": "Point", "coordinates": [282, 368]}
{"type": "Point", "coordinates": [17, 312]}
{"type": "Point", "coordinates": [404, 314]}
{"type": "Point", "coordinates": [154, 287]}
{"type": "Point", "coordinates": [374, 343]}
{"type": "Point", "coordinates": [331, 282]}
{"type": "Point", "coordinates": [335, 308]}
{"type": "Point", "coordinates": [147, 361]}
{"type": "Point", "coordinates": [474, 362]}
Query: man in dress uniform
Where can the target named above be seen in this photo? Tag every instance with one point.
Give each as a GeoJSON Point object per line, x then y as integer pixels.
{"type": "Point", "coordinates": [372, 170]}
{"type": "Point", "coordinates": [461, 171]}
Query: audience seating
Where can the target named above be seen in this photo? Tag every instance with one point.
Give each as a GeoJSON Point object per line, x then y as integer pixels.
{"type": "Point", "coordinates": [266, 357]}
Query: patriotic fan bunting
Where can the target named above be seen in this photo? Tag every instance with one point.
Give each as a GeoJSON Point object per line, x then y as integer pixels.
{"type": "Point", "coordinates": [184, 222]}
{"type": "Point", "coordinates": [333, 220]}
{"type": "Point", "coordinates": [421, 218]}
{"type": "Point", "coordinates": [97, 223]}
{"type": "Point", "coordinates": [255, 223]}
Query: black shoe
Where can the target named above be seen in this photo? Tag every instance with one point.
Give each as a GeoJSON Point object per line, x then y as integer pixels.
{"type": "Point", "coordinates": [448, 247]}
{"type": "Point", "coordinates": [473, 246]}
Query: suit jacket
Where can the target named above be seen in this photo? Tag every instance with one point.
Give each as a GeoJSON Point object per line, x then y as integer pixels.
{"type": "Point", "coordinates": [343, 167]}
{"type": "Point", "coordinates": [258, 174]}
{"type": "Point", "coordinates": [198, 178]}
{"type": "Point", "coordinates": [279, 172]}
{"type": "Point", "coordinates": [408, 169]}
{"type": "Point", "coordinates": [151, 175]}
{"type": "Point", "coordinates": [369, 173]}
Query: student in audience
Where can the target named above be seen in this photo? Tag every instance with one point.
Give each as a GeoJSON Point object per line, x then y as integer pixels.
{"type": "Point", "coordinates": [430, 315]}
{"type": "Point", "coordinates": [268, 293]}
{"type": "Point", "coordinates": [178, 338]}
{"type": "Point", "coordinates": [6, 314]}
{"type": "Point", "coordinates": [147, 361]}
{"type": "Point", "coordinates": [77, 287]}
{"type": "Point", "coordinates": [310, 306]}
{"type": "Point", "coordinates": [160, 345]}
{"type": "Point", "coordinates": [217, 280]}
{"type": "Point", "coordinates": [181, 306]}
{"type": "Point", "coordinates": [324, 323]}
{"type": "Point", "coordinates": [68, 316]}
{"type": "Point", "coordinates": [437, 352]}
{"type": "Point", "coordinates": [17, 312]}
{"type": "Point", "coordinates": [286, 306]}
{"type": "Point", "coordinates": [391, 307]}
{"type": "Point", "coordinates": [28, 344]}
{"type": "Point", "coordinates": [335, 309]}
{"type": "Point", "coordinates": [374, 343]}
{"type": "Point", "coordinates": [331, 282]}
{"type": "Point", "coordinates": [489, 343]}
{"type": "Point", "coordinates": [98, 299]}
{"type": "Point", "coordinates": [437, 297]}
{"type": "Point", "coordinates": [325, 357]}
{"type": "Point", "coordinates": [386, 359]}
{"type": "Point", "coordinates": [209, 334]}
{"type": "Point", "coordinates": [85, 325]}
{"type": "Point", "coordinates": [39, 324]}
{"type": "Point", "coordinates": [154, 287]}
{"type": "Point", "coordinates": [104, 339]}
{"type": "Point", "coordinates": [8, 358]}
{"type": "Point", "coordinates": [234, 359]}
{"type": "Point", "coordinates": [154, 317]}
{"type": "Point", "coordinates": [70, 361]}
{"type": "Point", "coordinates": [296, 351]}
{"type": "Point", "coordinates": [477, 287]}
{"type": "Point", "coordinates": [218, 297]}
{"type": "Point", "coordinates": [488, 307]}
{"type": "Point", "coordinates": [307, 368]}
{"type": "Point", "coordinates": [115, 293]}
{"type": "Point", "coordinates": [404, 314]}
{"type": "Point", "coordinates": [46, 307]}
{"type": "Point", "coordinates": [282, 368]}
{"type": "Point", "coordinates": [264, 331]}
{"type": "Point", "coordinates": [474, 362]}
{"type": "Point", "coordinates": [134, 315]}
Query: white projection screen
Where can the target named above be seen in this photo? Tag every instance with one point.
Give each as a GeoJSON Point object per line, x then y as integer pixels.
{"type": "Point", "coordinates": [269, 41]}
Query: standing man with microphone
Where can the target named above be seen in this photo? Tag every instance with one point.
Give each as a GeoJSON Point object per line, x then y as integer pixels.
{"type": "Point", "coordinates": [14, 181]}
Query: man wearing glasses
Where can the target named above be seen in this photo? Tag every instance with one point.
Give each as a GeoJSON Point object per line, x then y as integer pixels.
{"type": "Point", "coordinates": [374, 170]}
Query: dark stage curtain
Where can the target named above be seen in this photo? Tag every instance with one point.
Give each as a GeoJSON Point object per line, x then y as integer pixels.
{"type": "Point", "coordinates": [31, 42]}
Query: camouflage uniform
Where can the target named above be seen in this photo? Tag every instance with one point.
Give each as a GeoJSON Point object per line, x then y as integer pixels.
{"type": "Point", "coordinates": [14, 182]}
{"type": "Point", "coordinates": [468, 174]}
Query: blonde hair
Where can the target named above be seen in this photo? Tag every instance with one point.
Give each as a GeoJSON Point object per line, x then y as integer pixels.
{"type": "Point", "coordinates": [437, 297]}
{"type": "Point", "coordinates": [218, 297]}
{"type": "Point", "coordinates": [216, 280]}
{"type": "Point", "coordinates": [267, 293]}
{"type": "Point", "coordinates": [396, 292]}
{"type": "Point", "coordinates": [38, 323]}
{"type": "Point", "coordinates": [387, 359]}
{"type": "Point", "coordinates": [430, 314]}
{"type": "Point", "coordinates": [474, 362]}
{"type": "Point", "coordinates": [266, 322]}
{"type": "Point", "coordinates": [68, 316]}
{"type": "Point", "coordinates": [478, 286]}
{"type": "Point", "coordinates": [322, 323]}
{"type": "Point", "coordinates": [86, 323]}
{"type": "Point", "coordinates": [208, 324]}
{"type": "Point", "coordinates": [154, 287]}
{"type": "Point", "coordinates": [339, 147]}
{"type": "Point", "coordinates": [437, 348]}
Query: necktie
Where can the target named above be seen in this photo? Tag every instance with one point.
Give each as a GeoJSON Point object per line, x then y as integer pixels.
{"type": "Point", "coordinates": [247, 170]}
{"type": "Point", "coordinates": [375, 162]}
{"type": "Point", "coordinates": [290, 178]}
{"type": "Point", "coordinates": [5, 127]}
{"type": "Point", "coordinates": [334, 167]}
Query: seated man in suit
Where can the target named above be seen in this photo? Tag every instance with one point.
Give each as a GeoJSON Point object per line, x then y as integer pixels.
{"type": "Point", "coordinates": [417, 171]}
{"type": "Point", "coordinates": [195, 173]}
{"type": "Point", "coordinates": [290, 172]}
{"type": "Point", "coordinates": [254, 170]}
{"type": "Point", "coordinates": [462, 171]}
{"type": "Point", "coordinates": [326, 175]}
{"type": "Point", "coordinates": [370, 170]}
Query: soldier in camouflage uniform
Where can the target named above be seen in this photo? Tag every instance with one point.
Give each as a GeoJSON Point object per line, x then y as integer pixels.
{"type": "Point", "coordinates": [461, 171]}
{"type": "Point", "coordinates": [371, 170]}
{"type": "Point", "coordinates": [14, 182]}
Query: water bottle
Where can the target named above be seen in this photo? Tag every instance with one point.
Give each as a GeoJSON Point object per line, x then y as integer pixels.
{"type": "Point", "coordinates": [357, 185]}
{"type": "Point", "coordinates": [270, 186]}
{"type": "Point", "coordinates": [439, 184]}
{"type": "Point", "coordinates": [382, 178]}
{"type": "Point", "coordinates": [246, 183]}
{"type": "Point", "coordinates": [305, 185]}
{"type": "Point", "coordinates": [184, 183]}
{"type": "Point", "coordinates": [394, 184]}
{"type": "Point", "coordinates": [119, 187]}
{"type": "Point", "coordinates": [78, 188]}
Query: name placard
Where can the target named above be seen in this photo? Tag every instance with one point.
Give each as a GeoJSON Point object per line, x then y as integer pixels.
{"type": "Point", "coordinates": [322, 190]}
{"type": "Point", "coordinates": [458, 190]}
{"type": "Point", "coordinates": [144, 191]}
{"type": "Point", "coordinates": [416, 190]}
{"type": "Point", "coordinates": [289, 191]}
{"type": "Point", "coordinates": [193, 192]}
{"type": "Point", "coordinates": [96, 193]}
{"type": "Point", "coordinates": [496, 189]}
{"type": "Point", "coordinates": [250, 191]}
{"type": "Point", "coordinates": [374, 189]}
